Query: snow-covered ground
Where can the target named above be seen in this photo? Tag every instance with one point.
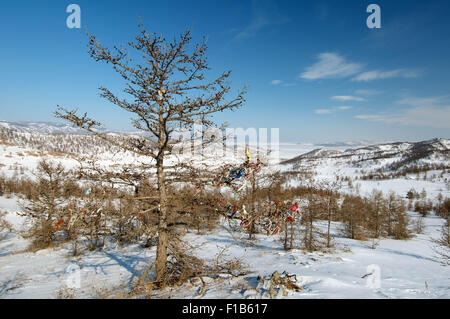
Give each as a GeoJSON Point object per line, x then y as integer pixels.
{"type": "Point", "coordinates": [406, 269]}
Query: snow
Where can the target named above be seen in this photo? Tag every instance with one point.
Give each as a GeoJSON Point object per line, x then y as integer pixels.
{"type": "Point", "coordinates": [41, 127]}
{"type": "Point", "coordinates": [408, 268]}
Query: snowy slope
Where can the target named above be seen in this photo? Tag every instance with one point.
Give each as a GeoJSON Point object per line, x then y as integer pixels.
{"type": "Point", "coordinates": [408, 269]}
{"type": "Point", "coordinates": [382, 166]}
{"type": "Point", "coordinates": [398, 150]}
{"type": "Point", "coordinates": [41, 127]}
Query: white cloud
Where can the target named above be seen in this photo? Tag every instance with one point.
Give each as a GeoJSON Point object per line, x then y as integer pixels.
{"type": "Point", "coordinates": [332, 110]}
{"type": "Point", "coordinates": [417, 101]}
{"type": "Point", "coordinates": [378, 75]}
{"type": "Point", "coordinates": [323, 111]}
{"type": "Point", "coordinates": [330, 65]}
{"type": "Point", "coordinates": [257, 24]}
{"type": "Point", "coordinates": [347, 98]}
{"type": "Point", "coordinates": [333, 65]}
{"type": "Point", "coordinates": [276, 82]}
{"type": "Point", "coordinates": [373, 117]}
{"type": "Point", "coordinates": [431, 112]}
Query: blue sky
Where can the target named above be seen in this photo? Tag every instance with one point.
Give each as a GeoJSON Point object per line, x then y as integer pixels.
{"type": "Point", "coordinates": [313, 68]}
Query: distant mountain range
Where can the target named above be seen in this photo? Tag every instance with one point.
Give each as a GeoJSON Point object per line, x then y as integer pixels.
{"type": "Point", "coordinates": [65, 138]}
{"type": "Point", "coordinates": [41, 127]}
{"type": "Point", "coordinates": [387, 156]}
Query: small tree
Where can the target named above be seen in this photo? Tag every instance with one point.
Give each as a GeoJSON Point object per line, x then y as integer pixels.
{"type": "Point", "coordinates": [5, 227]}
{"type": "Point", "coordinates": [311, 235]}
{"type": "Point", "coordinates": [423, 207]}
{"type": "Point", "coordinates": [439, 206]}
{"type": "Point", "coordinates": [397, 220]}
{"type": "Point", "coordinates": [377, 213]}
{"type": "Point", "coordinates": [419, 225]}
{"type": "Point", "coordinates": [423, 194]}
{"type": "Point", "coordinates": [330, 204]}
{"type": "Point", "coordinates": [351, 213]}
{"type": "Point", "coordinates": [412, 194]}
{"type": "Point", "coordinates": [442, 247]}
{"type": "Point", "coordinates": [45, 206]}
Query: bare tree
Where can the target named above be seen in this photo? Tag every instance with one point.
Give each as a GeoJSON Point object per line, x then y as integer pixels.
{"type": "Point", "coordinates": [377, 212]}
{"type": "Point", "coordinates": [396, 220]}
{"type": "Point", "coordinates": [330, 203]}
{"type": "Point", "coordinates": [312, 236]}
{"type": "Point", "coordinates": [352, 215]}
{"type": "Point", "coordinates": [131, 175]}
{"type": "Point", "coordinates": [168, 92]}
{"type": "Point", "coordinates": [5, 227]}
{"type": "Point", "coordinates": [442, 244]}
{"type": "Point", "coordinates": [442, 247]}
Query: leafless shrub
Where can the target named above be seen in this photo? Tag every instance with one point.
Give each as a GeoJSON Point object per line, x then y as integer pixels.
{"type": "Point", "coordinates": [442, 244]}
{"type": "Point", "coordinates": [45, 206]}
{"type": "Point", "coordinates": [5, 227]}
{"type": "Point", "coordinates": [419, 225]}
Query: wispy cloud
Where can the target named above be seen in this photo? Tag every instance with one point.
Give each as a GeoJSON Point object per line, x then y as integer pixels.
{"type": "Point", "coordinates": [417, 101]}
{"type": "Point", "coordinates": [323, 111]}
{"type": "Point", "coordinates": [331, 65]}
{"type": "Point", "coordinates": [281, 83]}
{"type": "Point", "coordinates": [367, 92]}
{"type": "Point", "coordinates": [332, 110]}
{"type": "Point", "coordinates": [378, 75]}
{"type": "Point", "coordinates": [263, 14]}
{"type": "Point", "coordinates": [431, 112]}
{"type": "Point", "coordinates": [346, 98]}
{"type": "Point", "coordinates": [276, 82]}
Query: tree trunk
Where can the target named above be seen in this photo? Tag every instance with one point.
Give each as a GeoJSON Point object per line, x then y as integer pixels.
{"type": "Point", "coordinates": [352, 226]}
{"type": "Point", "coordinates": [310, 231]}
{"type": "Point", "coordinates": [291, 243]}
{"type": "Point", "coordinates": [329, 222]}
{"type": "Point", "coordinates": [161, 252]}
{"type": "Point", "coordinates": [252, 207]}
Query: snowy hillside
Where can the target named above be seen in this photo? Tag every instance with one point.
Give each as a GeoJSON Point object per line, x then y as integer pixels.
{"type": "Point", "coordinates": [41, 127]}
{"type": "Point", "coordinates": [405, 152]}
{"type": "Point", "coordinates": [394, 166]}
{"type": "Point", "coordinates": [407, 268]}
{"type": "Point", "coordinates": [397, 166]}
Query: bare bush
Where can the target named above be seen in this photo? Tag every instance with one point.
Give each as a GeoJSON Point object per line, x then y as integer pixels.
{"type": "Point", "coordinates": [5, 227]}
{"type": "Point", "coordinates": [419, 225]}
{"type": "Point", "coordinates": [45, 206]}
